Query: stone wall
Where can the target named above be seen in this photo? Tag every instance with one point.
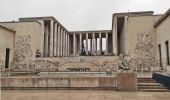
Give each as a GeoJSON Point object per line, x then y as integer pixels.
{"type": "Point", "coordinates": [162, 34]}
{"type": "Point", "coordinates": [7, 42]}
{"type": "Point", "coordinates": [94, 63]}
{"type": "Point", "coordinates": [141, 37]}
{"type": "Point", "coordinates": [58, 82]}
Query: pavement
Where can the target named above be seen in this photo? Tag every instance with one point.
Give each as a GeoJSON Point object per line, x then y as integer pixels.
{"type": "Point", "coordinates": [81, 95]}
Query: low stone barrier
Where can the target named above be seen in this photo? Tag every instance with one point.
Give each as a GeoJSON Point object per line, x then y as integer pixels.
{"type": "Point", "coordinates": [127, 82]}
{"type": "Point", "coordinates": [57, 82]}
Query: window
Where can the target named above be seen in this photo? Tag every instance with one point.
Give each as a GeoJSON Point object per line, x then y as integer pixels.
{"type": "Point", "coordinates": [160, 56]}
{"type": "Point", "coordinates": [7, 58]}
{"type": "Point", "coordinates": [167, 52]}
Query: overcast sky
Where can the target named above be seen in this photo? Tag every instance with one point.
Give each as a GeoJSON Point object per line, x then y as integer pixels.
{"type": "Point", "coordinates": [78, 15]}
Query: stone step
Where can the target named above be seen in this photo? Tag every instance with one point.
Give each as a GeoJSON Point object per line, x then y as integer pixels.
{"type": "Point", "coordinates": [150, 84]}
{"type": "Point", "coordinates": [154, 90]}
{"type": "Point", "coordinates": [152, 87]}
{"type": "Point", "coordinates": [146, 81]}
{"type": "Point", "coordinates": [145, 78]}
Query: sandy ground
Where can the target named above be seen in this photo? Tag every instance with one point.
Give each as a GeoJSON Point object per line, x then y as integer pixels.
{"type": "Point", "coordinates": [81, 95]}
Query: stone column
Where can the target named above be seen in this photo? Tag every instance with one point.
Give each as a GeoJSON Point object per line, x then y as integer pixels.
{"type": "Point", "coordinates": [61, 42]}
{"type": "Point", "coordinates": [42, 41]}
{"type": "Point", "coordinates": [68, 45]}
{"type": "Point", "coordinates": [100, 43]}
{"type": "Point", "coordinates": [114, 34]}
{"type": "Point", "coordinates": [126, 35]}
{"type": "Point", "coordinates": [86, 43]}
{"type": "Point", "coordinates": [46, 41]}
{"type": "Point", "coordinates": [55, 40]}
{"type": "Point", "coordinates": [74, 44]}
{"type": "Point", "coordinates": [58, 49]}
{"type": "Point", "coordinates": [106, 43]}
{"type": "Point", "coordinates": [51, 37]}
{"type": "Point", "coordinates": [64, 43]}
{"type": "Point", "coordinates": [93, 44]}
{"type": "Point", "coordinates": [80, 48]}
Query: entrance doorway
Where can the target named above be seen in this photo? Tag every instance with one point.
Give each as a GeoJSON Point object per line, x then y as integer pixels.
{"type": "Point", "coordinates": [7, 58]}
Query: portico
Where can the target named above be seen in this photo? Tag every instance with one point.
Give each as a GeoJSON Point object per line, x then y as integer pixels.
{"type": "Point", "coordinates": [91, 42]}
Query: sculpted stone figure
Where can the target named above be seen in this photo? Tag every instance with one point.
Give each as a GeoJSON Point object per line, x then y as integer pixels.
{"type": "Point", "coordinates": [123, 63]}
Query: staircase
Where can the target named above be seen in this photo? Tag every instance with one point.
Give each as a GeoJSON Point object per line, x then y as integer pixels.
{"type": "Point", "coordinates": [150, 85]}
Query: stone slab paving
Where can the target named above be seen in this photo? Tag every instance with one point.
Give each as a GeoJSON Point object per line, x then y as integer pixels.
{"type": "Point", "coordinates": [81, 95]}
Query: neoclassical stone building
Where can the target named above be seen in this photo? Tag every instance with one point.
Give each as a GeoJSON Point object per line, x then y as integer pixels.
{"type": "Point", "coordinates": [43, 43]}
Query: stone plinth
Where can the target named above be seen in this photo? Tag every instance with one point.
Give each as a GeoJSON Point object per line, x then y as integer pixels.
{"type": "Point", "coordinates": [127, 82]}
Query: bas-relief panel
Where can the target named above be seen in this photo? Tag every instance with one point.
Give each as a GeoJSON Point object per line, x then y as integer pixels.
{"type": "Point", "coordinates": [23, 57]}
{"type": "Point", "coordinates": [144, 58]}
{"type": "Point", "coordinates": [44, 65]}
{"type": "Point", "coordinates": [144, 53]}
{"type": "Point", "coordinates": [23, 52]}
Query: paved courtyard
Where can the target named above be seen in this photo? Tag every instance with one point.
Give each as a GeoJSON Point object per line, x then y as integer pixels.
{"type": "Point", "coordinates": [81, 95]}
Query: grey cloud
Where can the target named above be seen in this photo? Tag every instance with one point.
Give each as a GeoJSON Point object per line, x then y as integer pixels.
{"type": "Point", "coordinates": [78, 14]}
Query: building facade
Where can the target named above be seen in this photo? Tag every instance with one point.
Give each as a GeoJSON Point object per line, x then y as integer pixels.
{"type": "Point", "coordinates": [42, 43]}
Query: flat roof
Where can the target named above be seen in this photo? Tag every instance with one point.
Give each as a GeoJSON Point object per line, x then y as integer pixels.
{"type": "Point", "coordinates": [140, 13]}
{"type": "Point", "coordinates": [43, 18]}
{"type": "Point", "coordinates": [20, 22]}
{"type": "Point", "coordinates": [162, 18]}
{"type": "Point", "coordinates": [92, 31]}
{"type": "Point", "coordinates": [6, 27]}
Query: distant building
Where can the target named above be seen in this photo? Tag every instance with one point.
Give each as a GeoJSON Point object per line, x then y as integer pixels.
{"type": "Point", "coordinates": [42, 43]}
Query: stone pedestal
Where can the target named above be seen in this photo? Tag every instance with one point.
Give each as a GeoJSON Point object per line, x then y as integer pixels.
{"type": "Point", "coordinates": [127, 82]}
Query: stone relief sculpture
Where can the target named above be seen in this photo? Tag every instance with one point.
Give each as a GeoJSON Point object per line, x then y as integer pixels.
{"type": "Point", "coordinates": [23, 57]}
{"type": "Point", "coordinates": [123, 64]}
{"type": "Point", "coordinates": [143, 60]}
{"type": "Point", "coordinates": [23, 52]}
{"type": "Point", "coordinates": [45, 65]}
{"type": "Point", "coordinates": [144, 54]}
{"type": "Point", "coordinates": [109, 65]}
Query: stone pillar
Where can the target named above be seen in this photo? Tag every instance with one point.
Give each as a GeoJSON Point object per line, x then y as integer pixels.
{"type": "Point", "coordinates": [46, 41]}
{"type": "Point", "coordinates": [68, 45]}
{"type": "Point", "coordinates": [42, 48]}
{"type": "Point", "coordinates": [64, 43]}
{"type": "Point", "coordinates": [59, 46]}
{"type": "Point", "coordinates": [74, 44]}
{"type": "Point", "coordinates": [126, 35]}
{"type": "Point", "coordinates": [55, 40]}
{"type": "Point", "coordinates": [106, 43]}
{"type": "Point", "coordinates": [86, 43]}
{"type": "Point", "coordinates": [100, 43]}
{"type": "Point", "coordinates": [80, 48]}
{"type": "Point", "coordinates": [93, 44]}
{"type": "Point", "coordinates": [51, 37]}
{"type": "Point", "coordinates": [61, 42]}
{"type": "Point", "coordinates": [115, 36]}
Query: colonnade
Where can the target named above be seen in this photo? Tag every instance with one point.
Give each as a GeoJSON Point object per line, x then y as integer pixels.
{"type": "Point", "coordinates": [56, 39]}
{"type": "Point", "coordinates": [80, 38]}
